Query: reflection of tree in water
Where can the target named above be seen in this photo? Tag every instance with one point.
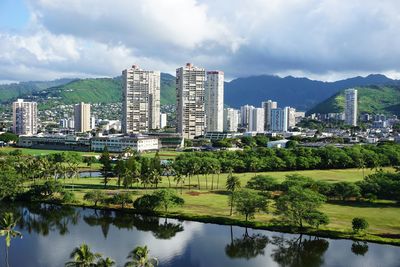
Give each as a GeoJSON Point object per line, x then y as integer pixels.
{"type": "Point", "coordinates": [121, 220]}
{"type": "Point", "coordinates": [299, 252]}
{"type": "Point", "coordinates": [43, 218]}
{"type": "Point", "coordinates": [359, 248]}
{"type": "Point", "coordinates": [102, 218]}
{"type": "Point", "coordinates": [167, 230]}
{"type": "Point", "coordinates": [247, 246]}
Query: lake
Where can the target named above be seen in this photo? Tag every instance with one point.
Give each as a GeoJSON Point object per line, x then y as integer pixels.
{"type": "Point", "coordinates": [51, 232]}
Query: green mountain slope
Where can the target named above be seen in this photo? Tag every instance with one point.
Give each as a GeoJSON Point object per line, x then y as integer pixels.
{"type": "Point", "coordinates": [14, 90]}
{"type": "Point", "coordinates": [371, 99]}
{"type": "Point", "coordinates": [92, 90]}
{"type": "Point", "coordinates": [167, 91]}
{"type": "Point", "coordinates": [104, 90]}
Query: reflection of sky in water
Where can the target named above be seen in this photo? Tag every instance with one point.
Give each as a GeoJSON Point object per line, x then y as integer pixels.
{"type": "Point", "coordinates": [198, 245]}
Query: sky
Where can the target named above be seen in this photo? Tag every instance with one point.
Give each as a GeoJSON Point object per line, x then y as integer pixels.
{"type": "Point", "coordinates": [319, 39]}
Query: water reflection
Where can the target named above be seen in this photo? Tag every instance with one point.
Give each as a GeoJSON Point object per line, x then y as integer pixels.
{"type": "Point", "coordinates": [176, 243]}
{"type": "Point", "coordinates": [359, 248]}
{"type": "Point", "coordinates": [247, 246]}
{"type": "Point", "coordinates": [300, 251]}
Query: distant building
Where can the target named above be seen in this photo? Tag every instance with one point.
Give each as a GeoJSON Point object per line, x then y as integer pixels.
{"type": "Point", "coordinates": [279, 120]}
{"type": "Point", "coordinates": [291, 114]}
{"type": "Point", "coordinates": [299, 116]}
{"type": "Point", "coordinates": [257, 120]}
{"type": "Point", "coordinates": [214, 101]}
{"type": "Point", "coordinates": [119, 143]}
{"type": "Point", "coordinates": [67, 123]}
{"type": "Point", "coordinates": [92, 123]}
{"type": "Point", "coordinates": [190, 108]}
{"type": "Point", "coordinates": [141, 100]}
{"type": "Point", "coordinates": [231, 120]}
{"type": "Point", "coordinates": [24, 117]}
{"type": "Point", "coordinates": [277, 144]}
{"type": "Point", "coordinates": [268, 106]}
{"type": "Point", "coordinates": [245, 115]}
{"type": "Point", "coordinates": [350, 108]}
{"type": "Point", "coordinates": [163, 120]}
{"type": "Point", "coordinates": [82, 118]}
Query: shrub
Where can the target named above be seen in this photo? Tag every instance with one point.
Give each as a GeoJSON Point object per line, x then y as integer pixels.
{"type": "Point", "coordinates": [359, 224]}
{"type": "Point", "coordinates": [146, 203]}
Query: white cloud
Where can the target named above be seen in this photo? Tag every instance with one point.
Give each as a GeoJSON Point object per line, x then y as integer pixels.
{"type": "Point", "coordinates": [326, 39]}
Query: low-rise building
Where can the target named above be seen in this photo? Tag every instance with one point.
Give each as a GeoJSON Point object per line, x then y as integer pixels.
{"type": "Point", "coordinates": [277, 144]}
{"type": "Point", "coordinates": [120, 143]}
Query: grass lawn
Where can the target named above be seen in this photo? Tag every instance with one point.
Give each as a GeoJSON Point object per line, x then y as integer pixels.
{"type": "Point", "coordinates": [42, 152]}
{"type": "Point", "coordinates": [383, 217]}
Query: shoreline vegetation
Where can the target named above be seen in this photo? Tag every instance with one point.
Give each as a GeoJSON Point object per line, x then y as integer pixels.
{"type": "Point", "coordinates": [332, 198]}
{"type": "Point", "coordinates": [221, 220]}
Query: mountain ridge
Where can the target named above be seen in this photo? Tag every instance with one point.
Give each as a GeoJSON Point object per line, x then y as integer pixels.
{"type": "Point", "coordinates": [299, 92]}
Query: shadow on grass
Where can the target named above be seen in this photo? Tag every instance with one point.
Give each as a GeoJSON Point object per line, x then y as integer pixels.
{"type": "Point", "coordinates": [364, 204]}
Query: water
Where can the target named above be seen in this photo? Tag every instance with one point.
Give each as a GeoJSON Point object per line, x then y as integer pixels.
{"type": "Point", "coordinates": [51, 232]}
{"type": "Point", "coordinates": [93, 174]}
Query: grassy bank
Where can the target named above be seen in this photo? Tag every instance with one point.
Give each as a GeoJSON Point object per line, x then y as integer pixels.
{"type": "Point", "coordinates": [212, 206]}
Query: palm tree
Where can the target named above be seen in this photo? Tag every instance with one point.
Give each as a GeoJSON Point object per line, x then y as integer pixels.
{"type": "Point", "coordinates": [232, 183]}
{"type": "Point", "coordinates": [83, 257]}
{"type": "Point", "coordinates": [140, 257]}
{"type": "Point", "coordinates": [107, 262]}
{"type": "Point", "coordinates": [7, 225]}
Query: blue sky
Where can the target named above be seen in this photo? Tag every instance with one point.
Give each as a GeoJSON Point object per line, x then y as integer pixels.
{"type": "Point", "coordinates": [319, 39]}
{"type": "Point", "coordinates": [14, 14]}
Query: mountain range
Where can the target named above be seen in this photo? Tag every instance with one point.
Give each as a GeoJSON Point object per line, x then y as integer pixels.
{"type": "Point", "coordinates": [301, 93]}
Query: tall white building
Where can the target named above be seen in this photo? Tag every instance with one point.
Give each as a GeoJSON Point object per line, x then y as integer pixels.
{"type": "Point", "coordinates": [141, 100]}
{"type": "Point", "coordinates": [231, 120]}
{"type": "Point", "coordinates": [82, 118]}
{"type": "Point", "coordinates": [245, 115]}
{"type": "Point", "coordinates": [268, 105]}
{"type": "Point", "coordinates": [190, 108]}
{"type": "Point", "coordinates": [350, 107]}
{"type": "Point", "coordinates": [92, 123]}
{"type": "Point", "coordinates": [279, 120]}
{"type": "Point", "coordinates": [291, 114]}
{"type": "Point", "coordinates": [163, 120]}
{"type": "Point", "coordinates": [214, 101]}
{"type": "Point", "coordinates": [24, 117]}
{"type": "Point", "coordinates": [257, 120]}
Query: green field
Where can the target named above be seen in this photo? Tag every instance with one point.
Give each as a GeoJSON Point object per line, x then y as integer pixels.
{"type": "Point", "coordinates": [42, 152]}
{"type": "Point", "coordinates": [169, 154]}
{"type": "Point", "coordinates": [383, 217]}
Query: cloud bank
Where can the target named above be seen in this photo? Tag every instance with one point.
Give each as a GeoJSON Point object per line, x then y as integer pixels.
{"type": "Point", "coordinates": [321, 39]}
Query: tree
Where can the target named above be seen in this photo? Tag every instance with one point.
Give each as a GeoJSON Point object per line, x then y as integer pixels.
{"type": "Point", "coordinates": [316, 218]}
{"type": "Point", "coordinates": [95, 196]}
{"type": "Point", "coordinates": [167, 198]}
{"type": "Point", "coordinates": [146, 203]}
{"type": "Point", "coordinates": [89, 161]}
{"type": "Point", "coordinates": [248, 202]}
{"type": "Point", "coordinates": [107, 167]}
{"type": "Point", "coordinates": [262, 183]}
{"type": "Point", "coordinates": [83, 257]}
{"type": "Point", "coordinates": [298, 204]}
{"type": "Point", "coordinates": [140, 257]}
{"type": "Point", "coordinates": [346, 190]}
{"type": "Point", "coordinates": [7, 225]}
{"type": "Point", "coordinates": [11, 184]}
{"type": "Point", "coordinates": [359, 224]}
{"type": "Point", "coordinates": [122, 199]}
{"type": "Point", "coordinates": [232, 184]}
{"type": "Point", "coordinates": [296, 180]}
{"type": "Point", "coordinates": [105, 262]}
{"type": "Point", "coordinates": [8, 137]}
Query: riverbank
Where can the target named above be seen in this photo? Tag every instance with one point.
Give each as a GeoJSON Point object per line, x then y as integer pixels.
{"type": "Point", "coordinates": [211, 206]}
{"type": "Point", "coordinates": [274, 227]}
